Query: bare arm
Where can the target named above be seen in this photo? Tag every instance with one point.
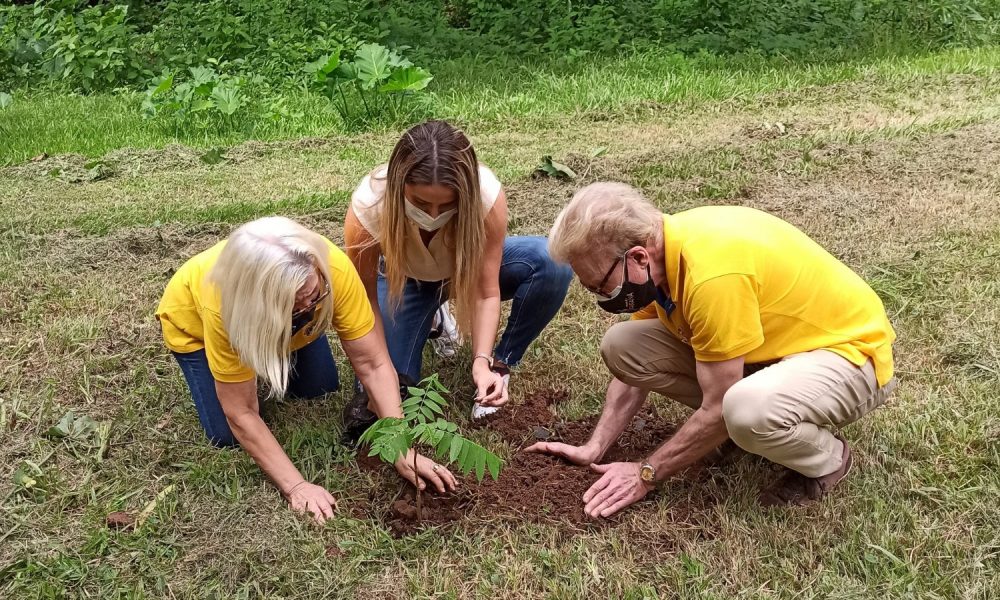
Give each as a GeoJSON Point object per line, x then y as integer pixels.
{"type": "Point", "coordinates": [370, 361]}
{"type": "Point", "coordinates": [364, 252]}
{"type": "Point", "coordinates": [621, 485]}
{"type": "Point", "coordinates": [486, 318]}
{"type": "Point", "coordinates": [239, 403]}
{"type": "Point", "coordinates": [620, 405]}
{"type": "Point", "coordinates": [704, 430]}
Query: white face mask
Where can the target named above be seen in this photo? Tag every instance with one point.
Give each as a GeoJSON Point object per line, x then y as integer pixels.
{"type": "Point", "coordinates": [425, 221]}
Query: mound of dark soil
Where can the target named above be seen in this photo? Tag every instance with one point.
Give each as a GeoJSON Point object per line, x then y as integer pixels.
{"type": "Point", "coordinates": [520, 423]}
{"type": "Point", "coordinates": [532, 487]}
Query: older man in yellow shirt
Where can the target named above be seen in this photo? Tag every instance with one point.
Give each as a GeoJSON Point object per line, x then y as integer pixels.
{"type": "Point", "coordinates": [770, 339]}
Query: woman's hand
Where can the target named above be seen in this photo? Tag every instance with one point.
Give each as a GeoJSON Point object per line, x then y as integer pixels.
{"type": "Point", "coordinates": [428, 471]}
{"type": "Point", "coordinates": [307, 497]}
{"type": "Point", "coordinates": [491, 390]}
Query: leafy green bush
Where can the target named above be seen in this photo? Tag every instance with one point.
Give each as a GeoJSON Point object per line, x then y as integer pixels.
{"type": "Point", "coordinates": [271, 38]}
{"type": "Point", "coordinates": [93, 45]}
{"type": "Point", "coordinates": [206, 95]}
{"type": "Point", "coordinates": [724, 26]}
{"type": "Point", "coordinates": [65, 41]}
{"type": "Point", "coordinates": [376, 85]}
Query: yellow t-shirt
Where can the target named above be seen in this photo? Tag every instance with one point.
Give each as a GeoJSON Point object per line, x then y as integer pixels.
{"type": "Point", "coordinates": [190, 315]}
{"type": "Point", "coordinates": [746, 283]}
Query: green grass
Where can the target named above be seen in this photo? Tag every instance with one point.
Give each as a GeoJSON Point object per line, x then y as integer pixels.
{"type": "Point", "coordinates": [890, 163]}
{"type": "Point", "coordinates": [486, 96]}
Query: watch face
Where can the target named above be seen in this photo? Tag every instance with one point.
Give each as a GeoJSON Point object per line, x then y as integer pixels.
{"type": "Point", "coordinates": [647, 473]}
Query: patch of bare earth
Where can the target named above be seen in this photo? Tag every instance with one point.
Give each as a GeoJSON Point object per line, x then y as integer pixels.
{"type": "Point", "coordinates": [536, 488]}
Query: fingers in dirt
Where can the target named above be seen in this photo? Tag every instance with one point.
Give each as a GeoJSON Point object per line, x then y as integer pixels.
{"type": "Point", "coordinates": [617, 506]}
{"type": "Point", "coordinates": [599, 485]}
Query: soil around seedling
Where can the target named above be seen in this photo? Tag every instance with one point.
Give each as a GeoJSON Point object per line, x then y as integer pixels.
{"type": "Point", "coordinates": [531, 420]}
{"type": "Point", "coordinates": [535, 488]}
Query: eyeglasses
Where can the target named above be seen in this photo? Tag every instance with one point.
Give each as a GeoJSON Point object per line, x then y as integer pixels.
{"type": "Point", "coordinates": [597, 291]}
{"type": "Point", "coordinates": [312, 305]}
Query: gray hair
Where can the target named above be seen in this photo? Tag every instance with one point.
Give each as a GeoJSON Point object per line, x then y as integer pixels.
{"type": "Point", "coordinates": [603, 217]}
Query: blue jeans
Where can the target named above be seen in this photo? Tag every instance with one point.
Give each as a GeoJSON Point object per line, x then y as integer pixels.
{"type": "Point", "coordinates": [528, 276]}
{"type": "Point", "coordinates": [314, 373]}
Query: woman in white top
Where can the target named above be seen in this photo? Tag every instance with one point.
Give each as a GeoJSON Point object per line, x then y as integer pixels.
{"type": "Point", "coordinates": [430, 226]}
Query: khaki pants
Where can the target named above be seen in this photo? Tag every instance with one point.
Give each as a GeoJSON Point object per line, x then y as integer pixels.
{"type": "Point", "coordinates": [784, 412]}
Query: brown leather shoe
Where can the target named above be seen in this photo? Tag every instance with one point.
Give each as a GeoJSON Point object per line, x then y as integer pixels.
{"type": "Point", "coordinates": [795, 489]}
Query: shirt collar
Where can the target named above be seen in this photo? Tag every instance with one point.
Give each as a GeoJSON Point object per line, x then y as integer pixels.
{"type": "Point", "coordinates": [672, 255]}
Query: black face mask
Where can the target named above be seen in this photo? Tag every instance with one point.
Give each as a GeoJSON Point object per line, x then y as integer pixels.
{"type": "Point", "coordinates": [630, 297]}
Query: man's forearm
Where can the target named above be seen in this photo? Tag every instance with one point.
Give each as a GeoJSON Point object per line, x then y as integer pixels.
{"type": "Point", "coordinates": [704, 431]}
{"type": "Point", "coordinates": [620, 405]}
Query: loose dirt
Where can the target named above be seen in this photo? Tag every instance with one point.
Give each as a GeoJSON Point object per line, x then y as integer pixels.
{"type": "Point", "coordinates": [532, 487]}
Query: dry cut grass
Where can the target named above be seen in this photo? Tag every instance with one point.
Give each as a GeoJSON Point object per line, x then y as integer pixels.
{"type": "Point", "coordinates": [900, 183]}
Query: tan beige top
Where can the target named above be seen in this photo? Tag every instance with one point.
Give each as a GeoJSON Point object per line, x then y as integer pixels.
{"type": "Point", "coordinates": [434, 262]}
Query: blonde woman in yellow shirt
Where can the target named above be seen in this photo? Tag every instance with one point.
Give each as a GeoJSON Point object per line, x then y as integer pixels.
{"type": "Point", "coordinates": [258, 305]}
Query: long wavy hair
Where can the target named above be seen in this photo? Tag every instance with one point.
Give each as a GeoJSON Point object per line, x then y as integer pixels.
{"type": "Point", "coordinates": [258, 273]}
{"type": "Point", "coordinates": [436, 153]}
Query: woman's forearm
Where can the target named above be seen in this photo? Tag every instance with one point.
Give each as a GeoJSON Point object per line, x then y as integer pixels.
{"type": "Point", "coordinates": [383, 390]}
{"type": "Point", "coordinates": [257, 440]}
{"type": "Point", "coordinates": [239, 404]}
{"type": "Point", "coordinates": [373, 367]}
{"type": "Point", "coordinates": [485, 324]}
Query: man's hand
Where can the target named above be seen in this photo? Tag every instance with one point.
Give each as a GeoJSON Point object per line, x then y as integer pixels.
{"type": "Point", "coordinates": [578, 455]}
{"type": "Point", "coordinates": [619, 487]}
{"type": "Point", "coordinates": [428, 471]}
{"type": "Point", "coordinates": [311, 498]}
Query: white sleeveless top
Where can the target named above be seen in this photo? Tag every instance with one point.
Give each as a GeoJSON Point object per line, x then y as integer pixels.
{"type": "Point", "coordinates": [434, 262]}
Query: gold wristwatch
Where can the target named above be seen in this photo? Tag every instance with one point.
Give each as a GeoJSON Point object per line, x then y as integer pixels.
{"type": "Point", "coordinates": [647, 473]}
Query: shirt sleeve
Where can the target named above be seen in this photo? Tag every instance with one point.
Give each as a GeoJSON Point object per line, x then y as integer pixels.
{"type": "Point", "coordinates": [489, 186]}
{"type": "Point", "coordinates": [223, 360]}
{"type": "Point", "coordinates": [724, 316]}
{"type": "Point", "coordinates": [648, 312]}
{"type": "Point", "coordinates": [352, 316]}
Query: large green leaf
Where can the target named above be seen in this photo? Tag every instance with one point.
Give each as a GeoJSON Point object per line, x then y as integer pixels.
{"type": "Point", "coordinates": [456, 448]}
{"type": "Point", "coordinates": [551, 168]}
{"type": "Point", "coordinates": [161, 85]}
{"type": "Point", "coordinates": [372, 64]}
{"type": "Point", "coordinates": [408, 79]}
{"type": "Point", "coordinates": [228, 99]}
{"type": "Point", "coordinates": [323, 66]}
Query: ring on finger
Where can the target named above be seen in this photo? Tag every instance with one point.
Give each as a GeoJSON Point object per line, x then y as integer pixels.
{"type": "Point", "coordinates": [435, 467]}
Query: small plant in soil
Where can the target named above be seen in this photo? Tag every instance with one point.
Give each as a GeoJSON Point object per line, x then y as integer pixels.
{"type": "Point", "coordinates": [423, 424]}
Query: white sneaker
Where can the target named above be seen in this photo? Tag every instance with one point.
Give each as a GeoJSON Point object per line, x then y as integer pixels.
{"type": "Point", "coordinates": [479, 411]}
{"type": "Point", "coordinates": [444, 337]}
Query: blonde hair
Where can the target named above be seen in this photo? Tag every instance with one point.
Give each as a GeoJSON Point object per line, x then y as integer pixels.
{"type": "Point", "coordinates": [603, 217]}
{"type": "Point", "coordinates": [258, 273]}
{"type": "Point", "coordinates": [435, 153]}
